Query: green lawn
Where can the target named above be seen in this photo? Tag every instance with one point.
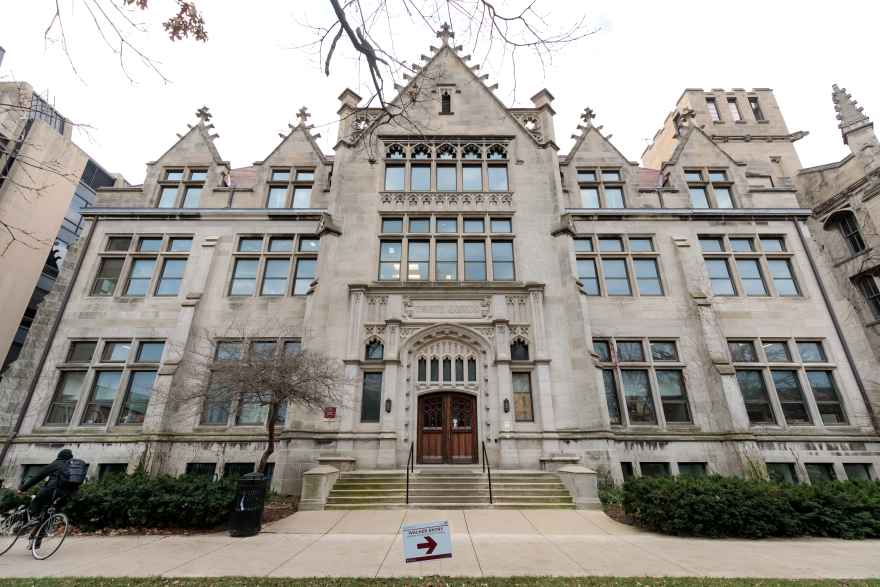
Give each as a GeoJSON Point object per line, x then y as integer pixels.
{"type": "Point", "coordinates": [434, 582]}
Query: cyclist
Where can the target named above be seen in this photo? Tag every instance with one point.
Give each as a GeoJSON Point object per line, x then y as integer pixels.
{"type": "Point", "coordinates": [62, 482]}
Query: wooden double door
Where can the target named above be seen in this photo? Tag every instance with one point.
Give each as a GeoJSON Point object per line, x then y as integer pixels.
{"type": "Point", "coordinates": [447, 428]}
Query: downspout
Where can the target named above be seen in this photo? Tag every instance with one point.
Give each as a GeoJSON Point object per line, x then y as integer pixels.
{"type": "Point", "coordinates": [45, 353]}
{"type": "Point", "coordinates": [846, 350]}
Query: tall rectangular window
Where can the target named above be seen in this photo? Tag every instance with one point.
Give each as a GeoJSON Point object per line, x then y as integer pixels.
{"type": "Point", "coordinates": [389, 260]}
{"type": "Point", "coordinates": [648, 277]}
{"type": "Point", "coordinates": [420, 178]}
{"type": "Point", "coordinates": [108, 276]}
{"type": "Point", "coordinates": [244, 277]}
{"type": "Point", "coordinates": [751, 278]}
{"type": "Point", "coordinates": [756, 109]}
{"type": "Point", "coordinates": [168, 197]}
{"type": "Point", "coordinates": [783, 278]}
{"type": "Point", "coordinates": [496, 176]}
{"type": "Point", "coordinates": [447, 261]}
{"type": "Point", "coordinates": [827, 398]}
{"type": "Point", "coordinates": [791, 396]}
{"type": "Point", "coordinates": [171, 277]}
{"type": "Point", "coordinates": [394, 178]}
{"type": "Point", "coordinates": [502, 260]}
{"type": "Point", "coordinates": [712, 107]}
{"type": "Point", "coordinates": [275, 277]}
{"type": "Point", "coordinates": [588, 277]}
{"type": "Point", "coordinates": [523, 410]}
{"type": "Point", "coordinates": [616, 277]}
{"type": "Point", "coordinates": [371, 397]}
{"type": "Point", "coordinates": [733, 108]}
{"type": "Point", "coordinates": [418, 260]}
{"type": "Point", "coordinates": [754, 392]}
{"type": "Point", "coordinates": [305, 275]}
{"type": "Point", "coordinates": [447, 178]}
{"type": "Point", "coordinates": [104, 389]}
{"type": "Point", "coordinates": [673, 396]}
{"type": "Point", "coordinates": [474, 260]}
{"type": "Point", "coordinates": [637, 392]}
{"type": "Point", "coordinates": [611, 396]}
{"type": "Point", "coordinates": [139, 277]}
{"type": "Point", "coordinates": [472, 178]}
{"type": "Point", "coordinates": [871, 292]}
{"type": "Point", "coordinates": [67, 395]}
{"type": "Point", "coordinates": [137, 397]}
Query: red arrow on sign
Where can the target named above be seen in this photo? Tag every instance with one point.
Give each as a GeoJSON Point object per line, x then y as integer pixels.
{"type": "Point", "coordinates": [430, 544]}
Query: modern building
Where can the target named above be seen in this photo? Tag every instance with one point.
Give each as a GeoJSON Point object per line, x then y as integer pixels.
{"type": "Point", "coordinates": [846, 213]}
{"type": "Point", "coordinates": [40, 198]}
{"type": "Point", "coordinates": [480, 287]}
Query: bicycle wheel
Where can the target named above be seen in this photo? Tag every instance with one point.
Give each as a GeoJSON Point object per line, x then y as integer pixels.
{"type": "Point", "coordinates": [12, 525]}
{"type": "Point", "coordinates": [49, 536]}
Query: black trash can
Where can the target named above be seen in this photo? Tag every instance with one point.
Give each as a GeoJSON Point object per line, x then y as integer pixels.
{"type": "Point", "coordinates": [247, 513]}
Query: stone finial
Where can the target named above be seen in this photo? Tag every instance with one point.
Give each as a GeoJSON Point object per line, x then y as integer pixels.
{"type": "Point", "coordinates": [588, 115]}
{"type": "Point", "coordinates": [203, 115]}
{"type": "Point", "coordinates": [303, 115]}
{"type": "Point", "coordinates": [445, 33]}
{"type": "Point", "coordinates": [849, 113]}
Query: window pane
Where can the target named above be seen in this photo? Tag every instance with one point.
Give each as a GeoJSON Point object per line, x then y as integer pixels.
{"type": "Point", "coordinates": [693, 175]}
{"type": "Point", "coordinates": [140, 388]}
{"type": "Point", "coordinates": [302, 197]}
{"type": "Point", "coordinates": [394, 178]}
{"type": "Point", "coordinates": [614, 197]}
{"type": "Point", "coordinates": [474, 260]}
{"type": "Point", "coordinates": [754, 392]}
{"type": "Point", "coordinates": [610, 175]}
{"type": "Point", "coordinates": [150, 352]}
{"type": "Point", "coordinates": [719, 277]}
{"type": "Point", "coordinates": [857, 471]}
{"type": "Point", "coordinates": [777, 352]}
{"type": "Point", "coordinates": [198, 175]}
{"type": "Point", "coordinates": [750, 275]}
{"type": "Point", "coordinates": [447, 225]}
{"type": "Point", "coordinates": [309, 245]}
{"type": "Point", "coordinates": [501, 225]}
{"type": "Point", "coordinates": [118, 243]}
{"type": "Point", "coordinates": [603, 349]}
{"type": "Point", "coordinates": [711, 245]}
{"type": "Point", "coordinates": [305, 274]}
{"type": "Point", "coordinates": [587, 275]}
{"type": "Point", "coordinates": [783, 279]}
{"type": "Point", "coordinates": [371, 397]}
{"type": "Point", "coordinates": [648, 277]}
{"type": "Point", "coordinates": [139, 278]}
{"type": "Point", "coordinates": [522, 397]}
{"type": "Point", "coordinates": [723, 197]}
{"type": "Point", "coordinates": [420, 178]}
{"type": "Point", "coordinates": [692, 469]}
{"type": "Point", "coordinates": [305, 175]}
{"type": "Point", "coordinates": [447, 261]}
{"type": "Point", "coordinates": [610, 245]}
{"type": "Point", "coordinates": [292, 347]}
{"type": "Point", "coordinates": [447, 178]}
{"type": "Point", "coordinates": [472, 370]}
{"type": "Point", "coordinates": [583, 245]}
{"type": "Point", "coordinates": [474, 225]}
{"type": "Point", "coordinates": [699, 199]}
{"type": "Point", "coordinates": [420, 225]}
{"type": "Point", "coordinates": [263, 350]}
{"type": "Point", "coordinates": [418, 257]}
{"type": "Point", "coordinates": [811, 351]}
{"type": "Point", "coordinates": [81, 351]}
{"type": "Point", "coordinates": [472, 178]}
{"type": "Point", "coordinates": [192, 197]}
{"type": "Point", "coordinates": [616, 278]}
{"type": "Point", "coordinates": [827, 400]}
{"type": "Point", "coordinates": [108, 275]}
{"type": "Point", "coordinates": [280, 245]}
{"type": "Point", "coordinates": [280, 175]}
{"type": "Point", "coordinates": [820, 472]}
{"type": "Point", "coordinates": [150, 245]}
{"type": "Point", "coordinates": [171, 277]}
{"type": "Point", "coordinates": [611, 399]}
{"type": "Point", "coordinates": [277, 197]}
{"type": "Point", "coordinates": [497, 177]}
{"type": "Point", "coordinates": [174, 175]}
{"type": "Point", "coordinates": [629, 351]}
{"type": "Point", "coordinates": [742, 245]}
{"type": "Point", "coordinates": [66, 396]}
{"type": "Point", "coordinates": [250, 245]}
{"type": "Point", "coordinates": [788, 388]}
{"type": "Point", "coordinates": [641, 245]}
{"type": "Point", "coordinates": [772, 244]}
{"type": "Point", "coordinates": [743, 351]}
{"type": "Point", "coordinates": [116, 352]}
{"type": "Point", "coordinates": [663, 350]}
{"type": "Point", "coordinates": [244, 277]}
{"type": "Point", "coordinates": [502, 260]}
{"type": "Point", "coordinates": [168, 197]}
{"type": "Point", "coordinates": [590, 197]}
{"type": "Point", "coordinates": [103, 393]}
{"type": "Point", "coordinates": [435, 370]}
{"type": "Point", "coordinates": [637, 391]}
{"type": "Point", "coordinates": [670, 385]}
{"type": "Point", "coordinates": [179, 245]}
{"type": "Point", "coordinates": [782, 473]}
{"type": "Point", "coordinates": [423, 370]}
{"type": "Point", "coordinates": [586, 175]}
{"type": "Point", "coordinates": [389, 260]}
{"type": "Point", "coordinates": [717, 175]}
{"type": "Point", "coordinates": [251, 412]}
{"type": "Point", "coordinates": [228, 351]}
{"type": "Point", "coordinates": [375, 351]}
{"type": "Point", "coordinates": [392, 225]}
{"type": "Point", "coordinates": [447, 369]}
{"type": "Point", "coordinates": [275, 277]}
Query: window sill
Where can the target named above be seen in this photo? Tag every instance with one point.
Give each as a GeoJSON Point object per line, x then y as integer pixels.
{"type": "Point", "coordinates": [852, 257]}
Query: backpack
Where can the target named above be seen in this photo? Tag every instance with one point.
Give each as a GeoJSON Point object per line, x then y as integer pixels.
{"type": "Point", "coordinates": [74, 472]}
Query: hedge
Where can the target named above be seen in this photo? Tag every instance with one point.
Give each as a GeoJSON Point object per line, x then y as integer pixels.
{"type": "Point", "coordinates": [732, 507]}
{"type": "Point", "coordinates": [143, 501]}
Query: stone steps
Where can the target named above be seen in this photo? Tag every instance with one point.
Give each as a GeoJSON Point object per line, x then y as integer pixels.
{"type": "Point", "coordinates": [448, 489]}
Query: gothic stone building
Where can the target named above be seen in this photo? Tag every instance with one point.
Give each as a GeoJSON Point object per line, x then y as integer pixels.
{"type": "Point", "coordinates": [479, 287]}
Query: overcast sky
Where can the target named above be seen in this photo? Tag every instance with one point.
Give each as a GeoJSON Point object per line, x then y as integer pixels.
{"type": "Point", "coordinates": [254, 77]}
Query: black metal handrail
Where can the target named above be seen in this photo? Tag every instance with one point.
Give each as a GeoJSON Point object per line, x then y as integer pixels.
{"type": "Point", "coordinates": [487, 469]}
{"type": "Point", "coordinates": [410, 466]}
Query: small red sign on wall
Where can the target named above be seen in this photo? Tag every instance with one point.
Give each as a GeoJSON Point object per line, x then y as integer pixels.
{"type": "Point", "coordinates": [330, 413]}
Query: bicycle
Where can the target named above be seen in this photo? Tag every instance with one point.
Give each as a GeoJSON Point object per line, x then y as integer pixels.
{"type": "Point", "coordinates": [47, 531]}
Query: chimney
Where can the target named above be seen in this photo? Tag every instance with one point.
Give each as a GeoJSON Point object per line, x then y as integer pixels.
{"type": "Point", "coordinates": [542, 101]}
{"type": "Point", "coordinates": [346, 112]}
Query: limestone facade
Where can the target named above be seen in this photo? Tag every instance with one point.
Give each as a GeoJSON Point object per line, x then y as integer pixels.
{"type": "Point", "coordinates": [561, 308]}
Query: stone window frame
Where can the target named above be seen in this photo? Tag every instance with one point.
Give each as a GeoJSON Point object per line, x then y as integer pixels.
{"type": "Point", "coordinates": [758, 253]}
{"type": "Point", "coordinates": [628, 255]}
{"type": "Point", "coordinates": [293, 256]}
{"type": "Point", "coordinates": [601, 185]}
{"type": "Point", "coordinates": [712, 108]}
{"type": "Point", "coordinates": [360, 407]}
{"type": "Point", "coordinates": [182, 185]}
{"type": "Point", "coordinates": [433, 237]}
{"type": "Point", "coordinates": [709, 182]}
{"type": "Point", "coordinates": [132, 254]}
{"type": "Point", "coordinates": [649, 364]}
{"type": "Point", "coordinates": [734, 110]}
{"type": "Point", "coordinates": [233, 409]}
{"type": "Point", "coordinates": [801, 367]}
{"type": "Point", "coordinates": [755, 109]}
{"type": "Point", "coordinates": [869, 285]}
{"type": "Point", "coordinates": [847, 224]}
{"type": "Point", "coordinates": [291, 184]}
{"type": "Point", "coordinates": [673, 466]}
{"type": "Point", "coordinates": [96, 364]}
{"type": "Point", "coordinates": [457, 146]}
{"type": "Point", "coordinates": [519, 370]}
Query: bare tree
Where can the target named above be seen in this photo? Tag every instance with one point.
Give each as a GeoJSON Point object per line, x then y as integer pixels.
{"type": "Point", "coordinates": [260, 379]}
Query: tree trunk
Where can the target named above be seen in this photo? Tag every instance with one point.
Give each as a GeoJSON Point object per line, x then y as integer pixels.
{"type": "Point", "coordinates": [270, 441]}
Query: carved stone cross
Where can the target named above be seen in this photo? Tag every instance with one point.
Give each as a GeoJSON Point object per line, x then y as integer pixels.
{"type": "Point", "coordinates": [303, 114]}
{"type": "Point", "coordinates": [203, 114]}
{"type": "Point", "coordinates": [588, 115]}
{"type": "Point", "coordinates": [445, 33]}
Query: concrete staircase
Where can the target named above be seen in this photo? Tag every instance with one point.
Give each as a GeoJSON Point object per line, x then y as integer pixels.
{"type": "Point", "coordinates": [448, 488]}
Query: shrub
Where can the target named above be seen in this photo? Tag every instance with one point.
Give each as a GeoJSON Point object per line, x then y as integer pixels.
{"type": "Point", "coordinates": [733, 507]}
{"type": "Point", "coordinates": [9, 500]}
{"type": "Point", "coordinates": [142, 501]}
{"type": "Point", "coordinates": [611, 496]}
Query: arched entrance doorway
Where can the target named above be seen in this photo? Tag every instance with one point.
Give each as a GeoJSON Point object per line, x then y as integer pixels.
{"type": "Point", "coordinates": [447, 428]}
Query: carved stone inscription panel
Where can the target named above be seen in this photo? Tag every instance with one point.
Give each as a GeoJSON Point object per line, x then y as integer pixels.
{"type": "Point", "coordinates": [474, 308]}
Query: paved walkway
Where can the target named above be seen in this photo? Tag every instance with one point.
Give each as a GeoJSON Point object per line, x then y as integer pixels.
{"type": "Point", "coordinates": [485, 542]}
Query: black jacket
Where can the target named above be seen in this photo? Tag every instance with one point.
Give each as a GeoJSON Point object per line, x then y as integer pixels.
{"type": "Point", "coordinates": [52, 471]}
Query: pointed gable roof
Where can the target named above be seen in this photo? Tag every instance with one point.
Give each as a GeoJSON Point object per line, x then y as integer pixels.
{"type": "Point", "coordinates": [198, 138]}
{"type": "Point", "coordinates": [445, 34]}
{"type": "Point", "coordinates": [695, 133]}
{"type": "Point", "coordinates": [297, 134]}
{"type": "Point", "coordinates": [594, 134]}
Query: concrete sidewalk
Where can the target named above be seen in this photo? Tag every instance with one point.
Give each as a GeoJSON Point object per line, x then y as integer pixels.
{"type": "Point", "coordinates": [485, 542]}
